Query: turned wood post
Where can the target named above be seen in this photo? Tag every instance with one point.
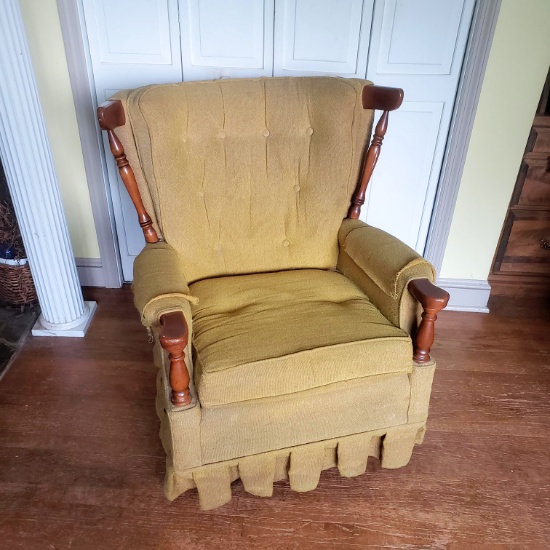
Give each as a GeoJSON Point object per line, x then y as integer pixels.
{"type": "Point", "coordinates": [374, 97]}
{"type": "Point", "coordinates": [111, 116]}
{"type": "Point", "coordinates": [174, 336]}
{"type": "Point", "coordinates": [371, 159]}
{"type": "Point", "coordinates": [432, 299]}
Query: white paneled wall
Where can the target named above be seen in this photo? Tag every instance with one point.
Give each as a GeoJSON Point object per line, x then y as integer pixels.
{"type": "Point", "coordinates": [324, 37]}
{"type": "Point", "coordinates": [226, 39]}
{"type": "Point", "coordinates": [419, 37]}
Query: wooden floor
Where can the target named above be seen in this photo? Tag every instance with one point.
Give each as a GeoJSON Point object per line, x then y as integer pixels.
{"type": "Point", "coordinates": [81, 465]}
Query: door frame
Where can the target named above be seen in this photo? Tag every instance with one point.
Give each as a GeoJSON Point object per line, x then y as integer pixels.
{"type": "Point", "coordinates": [478, 48]}
{"type": "Point", "coordinates": [469, 88]}
{"type": "Point", "coordinates": [107, 271]}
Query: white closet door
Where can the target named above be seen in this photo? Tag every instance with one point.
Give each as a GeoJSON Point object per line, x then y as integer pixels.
{"type": "Point", "coordinates": [417, 45]}
{"type": "Point", "coordinates": [322, 37]}
{"type": "Point", "coordinates": [226, 39]}
{"type": "Point", "coordinates": [132, 43]}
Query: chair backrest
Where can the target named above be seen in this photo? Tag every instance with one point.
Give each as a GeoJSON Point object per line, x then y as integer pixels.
{"type": "Point", "coordinates": [247, 176]}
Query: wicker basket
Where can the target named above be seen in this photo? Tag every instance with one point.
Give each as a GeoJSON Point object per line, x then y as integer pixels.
{"type": "Point", "coordinates": [16, 284]}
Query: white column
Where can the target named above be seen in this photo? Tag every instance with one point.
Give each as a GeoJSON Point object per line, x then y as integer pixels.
{"type": "Point", "coordinates": [28, 164]}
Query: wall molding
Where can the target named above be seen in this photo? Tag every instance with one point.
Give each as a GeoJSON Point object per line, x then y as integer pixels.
{"type": "Point", "coordinates": [467, 294]}
{"type": "Point", "coordinates": [80, 77]}
{"type": "Point", "coordinates": [91, 272]}
{"type": "Point", "coordinates": [478, 48]}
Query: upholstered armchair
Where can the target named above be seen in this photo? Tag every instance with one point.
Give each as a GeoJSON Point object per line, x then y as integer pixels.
{"type": "Point", "coordinates": [289, 336]}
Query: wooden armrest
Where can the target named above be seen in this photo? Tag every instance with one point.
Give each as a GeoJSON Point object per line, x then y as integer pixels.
{"type": "Point", "coordinates": [111, 115]}
{"type": "Point", "coordinates": [385, 99]}
{"type": "Point", "coordinates": [174, 335]}
{"type": "Point", "coordinates": [432, 299]}
{"type": "Point", "coordinates": [429, 295]}
{"type": "Point", "coordinates": [382, 98]}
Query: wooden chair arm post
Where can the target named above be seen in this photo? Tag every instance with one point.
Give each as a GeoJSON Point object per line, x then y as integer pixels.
{"type": "Point", "coordinates": [385, 99]}
{"type": "Point", "coordinates": [111, 115]}
{"type": "Point", "coordinates": [432, 299]}
{"type": "Point", "coordinates": [174, 336]}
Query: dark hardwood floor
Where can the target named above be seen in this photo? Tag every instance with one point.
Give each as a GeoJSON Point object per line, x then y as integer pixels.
{"type": "Point", "coordinates": [81, 465]}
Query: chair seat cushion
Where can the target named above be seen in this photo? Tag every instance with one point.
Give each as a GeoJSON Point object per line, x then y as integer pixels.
{"type": "Point", "coordinates": [270, 334]}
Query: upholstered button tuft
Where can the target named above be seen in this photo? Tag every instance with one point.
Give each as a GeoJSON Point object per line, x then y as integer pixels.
{"type": "Point", "coordinates": [296, 188]}
{"type": "Point", "coordinates": [200, 193]}
{"type": "Point", "coordinates": [286, 243]}
{"type": "Point", "coordinates": [309, 131]}
{"type": "Point", "coordinates": [218, 247]}
{"type": "Point", "coordinates": [266, 132]}
{"type": "Point", "coordinates": [222, 134]}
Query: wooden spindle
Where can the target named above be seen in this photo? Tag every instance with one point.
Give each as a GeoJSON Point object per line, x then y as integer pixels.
{"type": "Point", "coordinates": [386, 99]}
{"type": "Point", "coordinates": [371, 159]}
{"type": "Point", "coordinates": [111, 116]}
{"type": "Point", "coordinates": [432, 299]}
{"type": "Point", "coordinates": [173, 338]}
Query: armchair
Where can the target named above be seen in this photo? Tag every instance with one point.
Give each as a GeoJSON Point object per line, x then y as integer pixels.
{"type": "Point", "coordinates": [287, 341]}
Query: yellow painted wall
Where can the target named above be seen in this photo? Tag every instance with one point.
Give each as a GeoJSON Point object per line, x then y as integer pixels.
{"type": "Point", "coordinates": [516, 70]}
{"type": "Point", "coordinates": [43, 30]}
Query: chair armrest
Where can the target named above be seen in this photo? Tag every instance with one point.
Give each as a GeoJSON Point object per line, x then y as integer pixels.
{"type": "Point", "coordinates": [162, 296]}
{"type": "Point", "coordinates": [382, 266]}
{"type": "Point", "coordinates": [160, 285]}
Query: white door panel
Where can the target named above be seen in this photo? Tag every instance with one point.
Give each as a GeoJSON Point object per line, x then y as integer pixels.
{"type": "Point", "coordinates": [401, 187]}
{"type": "Point", "coordinates": [134, 41]}
{"type": "Point", "coordinates": [428, 45]}
{"type": "Point", "coordinates": [226, 39]}
{"type": "Point", "coordinates": [143, 37]}
{"type": "Point", "coordinates": [417, 45]}
{"type": "Point", "coordinates": [322, 37]}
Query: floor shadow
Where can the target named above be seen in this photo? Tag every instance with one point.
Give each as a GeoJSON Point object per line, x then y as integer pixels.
{"type": "Point", "coordinates": [15, 325]}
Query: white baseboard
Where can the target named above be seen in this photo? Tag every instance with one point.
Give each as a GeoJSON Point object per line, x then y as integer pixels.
{"type": "Point", "coordinates": [467, 294]}
{"type": "Point", "coordinates": [90, 272]}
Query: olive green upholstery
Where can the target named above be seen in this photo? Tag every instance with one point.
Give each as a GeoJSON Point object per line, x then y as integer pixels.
{"type": "Point", "coordinates": [259, 328]}
{"type": "Point", "coordinates": [300, 353]}
{"type": "Point", "coordinates": [270, 162]}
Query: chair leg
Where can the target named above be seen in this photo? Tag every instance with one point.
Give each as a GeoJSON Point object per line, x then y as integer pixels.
{"type": "Point", "coordinates": [174, 336]}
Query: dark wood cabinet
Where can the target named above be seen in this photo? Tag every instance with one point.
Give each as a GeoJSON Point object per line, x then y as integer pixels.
{"type": "Point", "coordinates": [522, 261]}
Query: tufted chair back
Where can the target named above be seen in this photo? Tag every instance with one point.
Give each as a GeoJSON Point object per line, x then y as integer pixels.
{"type": "Point", "coordinates": [247, 176]}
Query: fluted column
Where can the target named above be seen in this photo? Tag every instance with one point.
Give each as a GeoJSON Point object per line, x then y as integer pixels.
{"type": "Point", "coordinates": [28, 164]}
